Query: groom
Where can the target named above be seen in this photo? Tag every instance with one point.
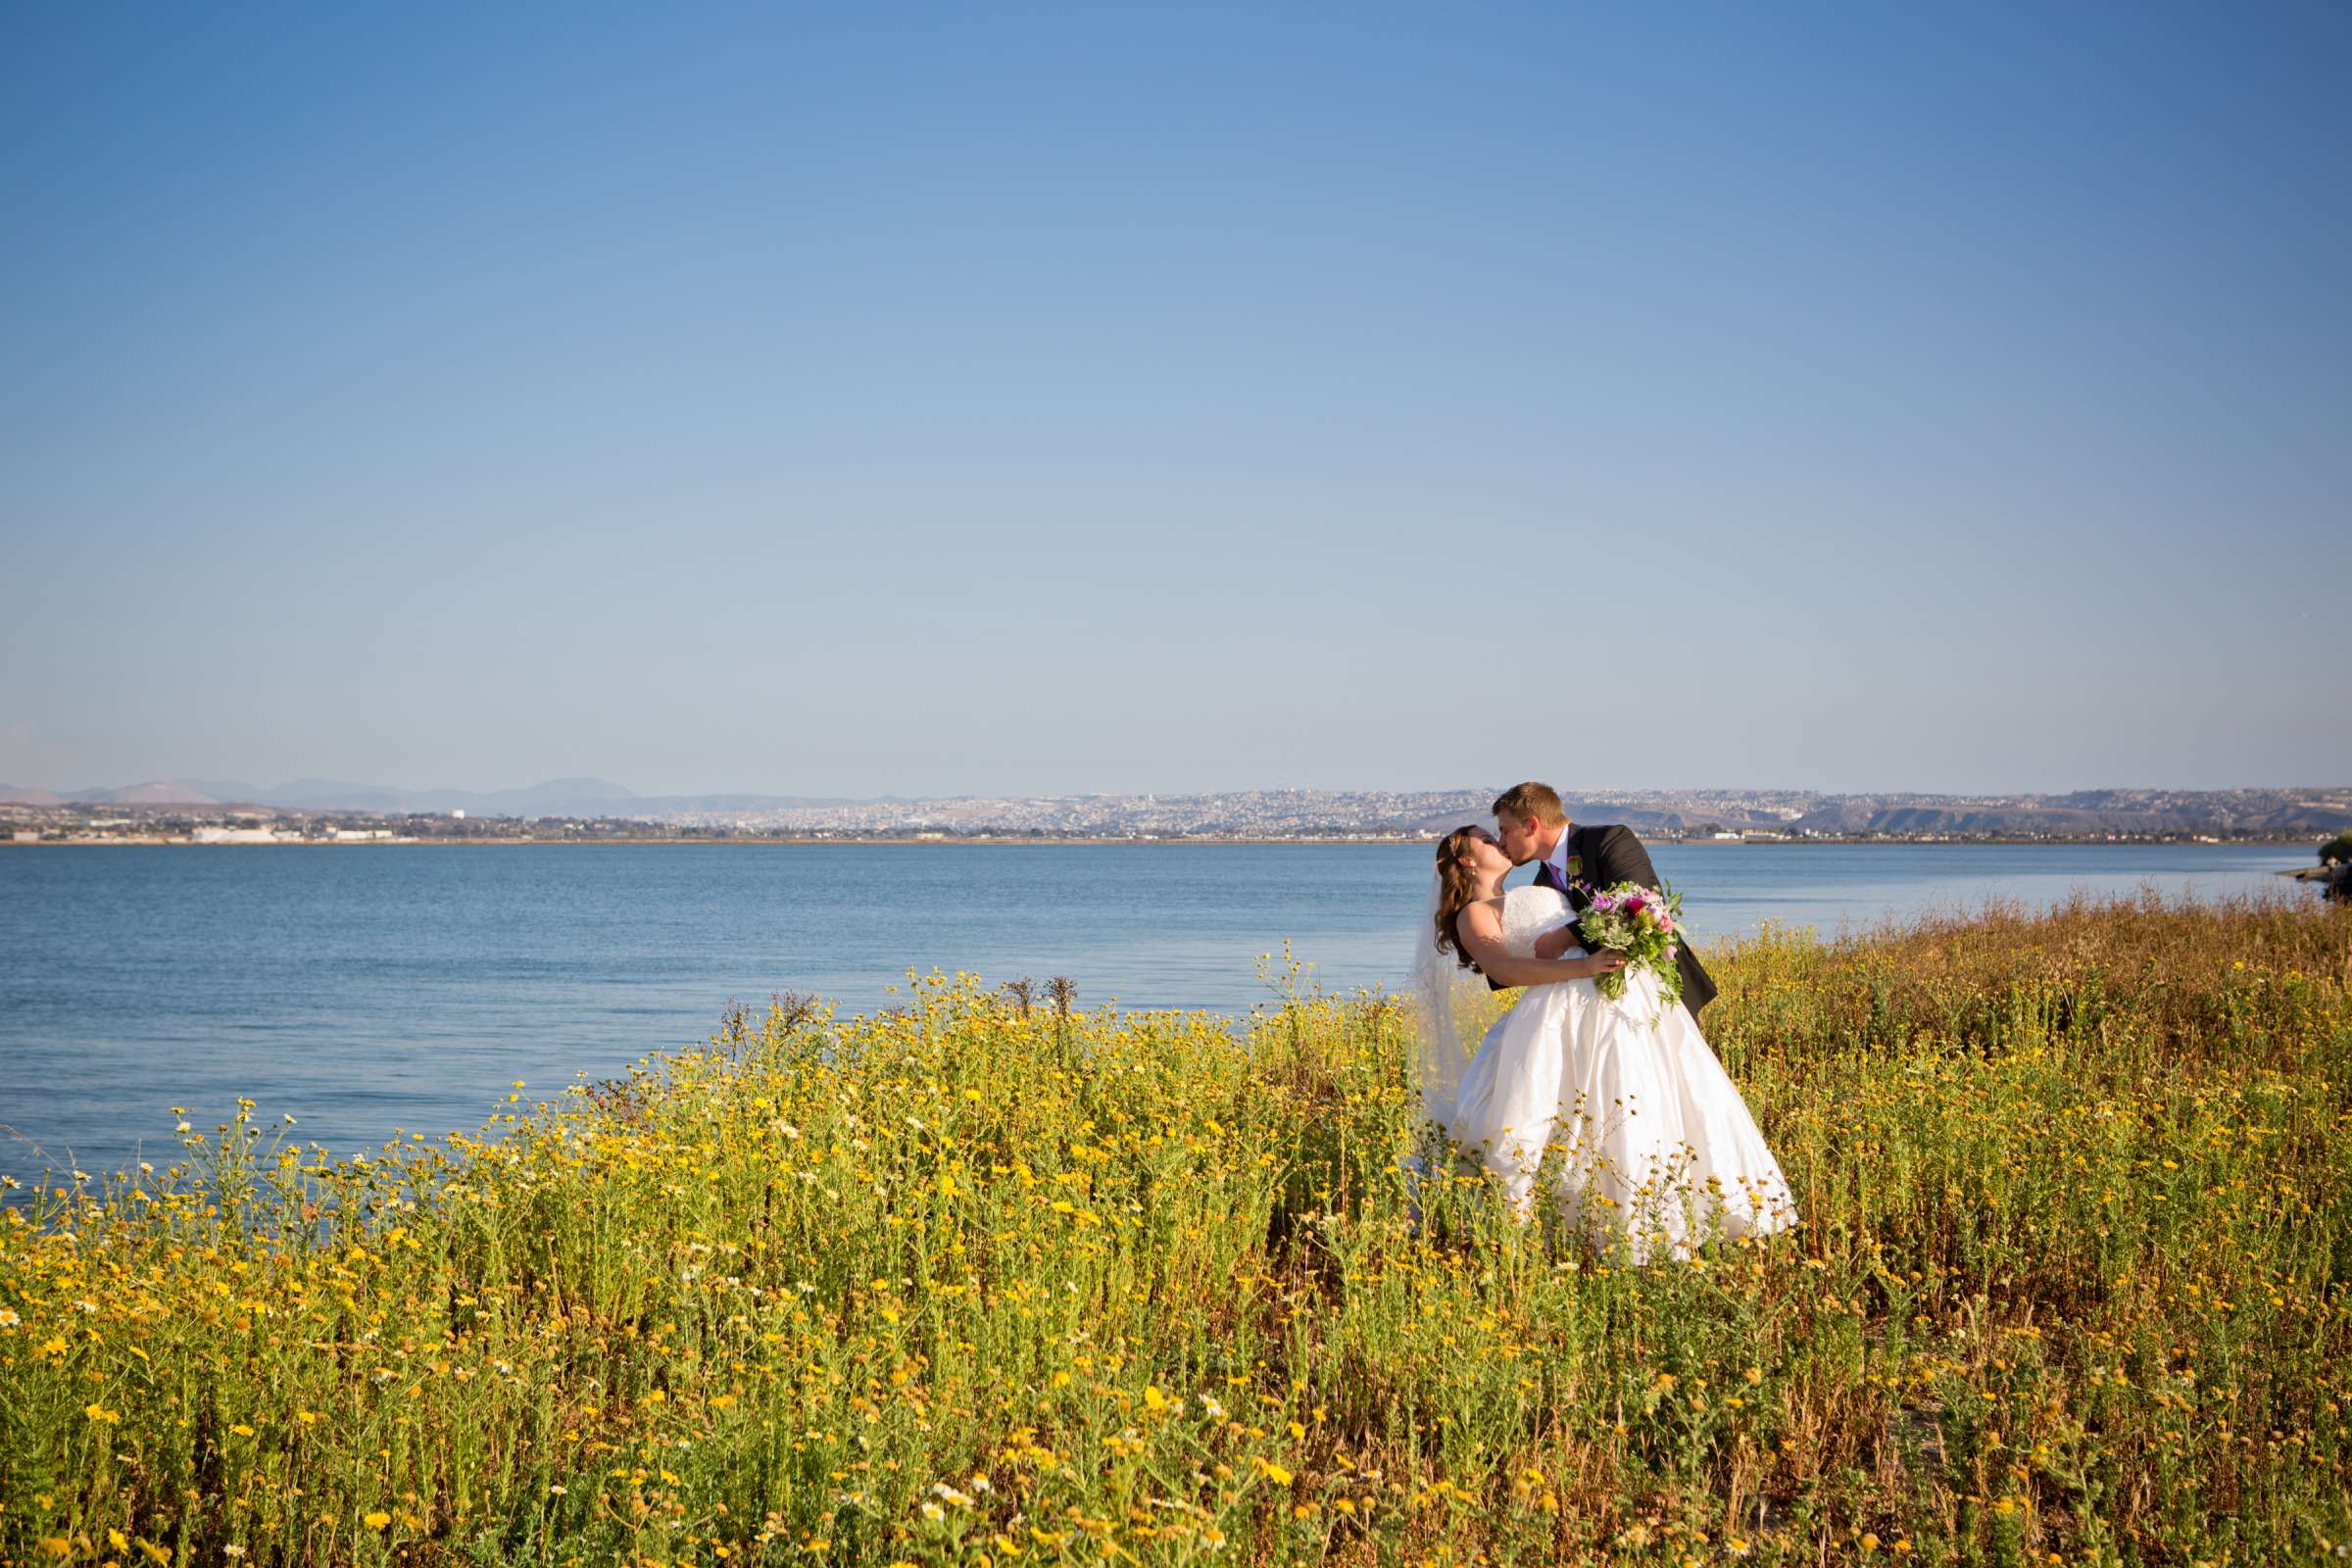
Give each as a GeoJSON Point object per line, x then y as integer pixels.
{"type": "Point", "coordinates": [1533, 826]}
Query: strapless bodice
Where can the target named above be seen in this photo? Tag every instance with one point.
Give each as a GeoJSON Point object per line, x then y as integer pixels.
{"type": "Point", "coordinates": [1527, 914]}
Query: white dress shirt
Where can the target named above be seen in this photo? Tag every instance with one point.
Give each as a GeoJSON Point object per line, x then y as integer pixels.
{"type": "Point", "coordinates": [1559, 859]}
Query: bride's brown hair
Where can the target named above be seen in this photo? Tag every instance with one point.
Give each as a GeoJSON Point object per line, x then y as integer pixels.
{"type": "Point", "coordinates": [1458, 890]}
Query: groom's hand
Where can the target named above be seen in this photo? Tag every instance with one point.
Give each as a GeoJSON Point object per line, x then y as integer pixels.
{"type": "Point", "coordinates": [1557, 944]}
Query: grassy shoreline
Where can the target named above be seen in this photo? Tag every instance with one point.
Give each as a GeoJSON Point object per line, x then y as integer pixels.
{"type": "Point", "coordinates": [968, 1281]}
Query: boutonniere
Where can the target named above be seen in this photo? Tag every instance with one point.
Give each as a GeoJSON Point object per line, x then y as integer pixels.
{"type": "Point", "coordinates": [1576, 868]}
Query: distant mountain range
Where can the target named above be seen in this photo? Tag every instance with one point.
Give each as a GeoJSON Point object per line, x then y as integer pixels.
{"type": "Point", "coordinates": [557, 797]}
{"type": "Point", "coordinates": [1281, 812]}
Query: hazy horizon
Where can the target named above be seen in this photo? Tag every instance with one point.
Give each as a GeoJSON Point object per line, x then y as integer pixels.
{"type": "Point", "coordinates": [1083, 401]}
{"type": "Point", "coordinates": [218, 789]}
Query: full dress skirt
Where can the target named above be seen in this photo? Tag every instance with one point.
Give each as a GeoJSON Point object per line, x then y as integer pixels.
{"type": "Point", "coordinates": [1645, 1137]}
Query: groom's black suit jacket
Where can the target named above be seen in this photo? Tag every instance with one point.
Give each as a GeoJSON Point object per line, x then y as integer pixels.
{"type": "Point", "coordinates": [1609, 853]}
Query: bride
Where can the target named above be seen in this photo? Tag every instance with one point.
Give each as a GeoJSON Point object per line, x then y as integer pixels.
{"type": "Point", "coordinates": [1656, 1145]}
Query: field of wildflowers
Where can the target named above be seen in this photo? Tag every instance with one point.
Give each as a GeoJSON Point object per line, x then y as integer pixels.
{"type": "Point", "coordinates": [987, 1280]}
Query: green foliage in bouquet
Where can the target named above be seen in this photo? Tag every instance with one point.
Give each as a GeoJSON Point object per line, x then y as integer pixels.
{"type": "Point", "coordinates": [1646, 924]}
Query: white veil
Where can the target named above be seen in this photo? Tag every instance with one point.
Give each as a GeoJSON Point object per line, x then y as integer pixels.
{"type": "Point", "coordinates": [1451, 1007]}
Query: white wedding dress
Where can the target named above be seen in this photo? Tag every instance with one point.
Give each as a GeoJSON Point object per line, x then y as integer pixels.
{"type": "Point", "coordinates": [1651, 1141]}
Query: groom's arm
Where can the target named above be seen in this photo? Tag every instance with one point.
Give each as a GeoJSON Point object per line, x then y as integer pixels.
{"type": "Point", "coordinates": [1627, 862]}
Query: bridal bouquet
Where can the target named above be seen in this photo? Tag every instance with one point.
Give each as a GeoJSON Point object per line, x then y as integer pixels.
{"type": "Point", "coordinates": [1646, 924]}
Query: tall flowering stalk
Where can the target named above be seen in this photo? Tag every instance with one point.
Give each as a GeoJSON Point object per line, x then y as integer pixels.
{"type": "Point", "coordinates": [1646, 924]}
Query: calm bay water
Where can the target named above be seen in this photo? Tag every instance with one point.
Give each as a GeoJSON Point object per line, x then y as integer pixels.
{"type": "Point", "coordinates": [363, 989]}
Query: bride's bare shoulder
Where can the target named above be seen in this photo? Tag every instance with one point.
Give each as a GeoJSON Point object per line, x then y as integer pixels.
{"type": "Point", "coordinates": [1485, 916]}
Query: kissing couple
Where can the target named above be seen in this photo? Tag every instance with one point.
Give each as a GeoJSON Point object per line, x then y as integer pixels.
{"type": "Point", "coordinates": [1656, 1149]}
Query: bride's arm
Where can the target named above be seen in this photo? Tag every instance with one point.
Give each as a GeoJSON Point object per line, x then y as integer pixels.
{"type": "Point", "coordinates": [1481, 931]}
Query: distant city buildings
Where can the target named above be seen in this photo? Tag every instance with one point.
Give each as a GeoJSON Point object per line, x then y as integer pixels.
{"type": "Point", "coordinates": [1714, 815]}
{"type": "Point", "coordinates": [241, 835]}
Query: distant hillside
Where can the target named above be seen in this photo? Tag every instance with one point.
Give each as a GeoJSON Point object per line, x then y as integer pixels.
{"type": "Point", "coordinates": [558, 797]}
{"type": "Point", "coordinates": [2091, 812]}
{"type": "Point", "coordinates": [2284, 813]}
{"type": "Point", "coordinates": [155, 792]}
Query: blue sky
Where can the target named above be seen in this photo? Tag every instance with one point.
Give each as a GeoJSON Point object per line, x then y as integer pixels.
{"type": "Point", "coordinates": [1011, 399]}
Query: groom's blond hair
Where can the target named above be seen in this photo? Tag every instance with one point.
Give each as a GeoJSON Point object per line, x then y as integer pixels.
{"type": "Point", "coordinates": [1537, 802]}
